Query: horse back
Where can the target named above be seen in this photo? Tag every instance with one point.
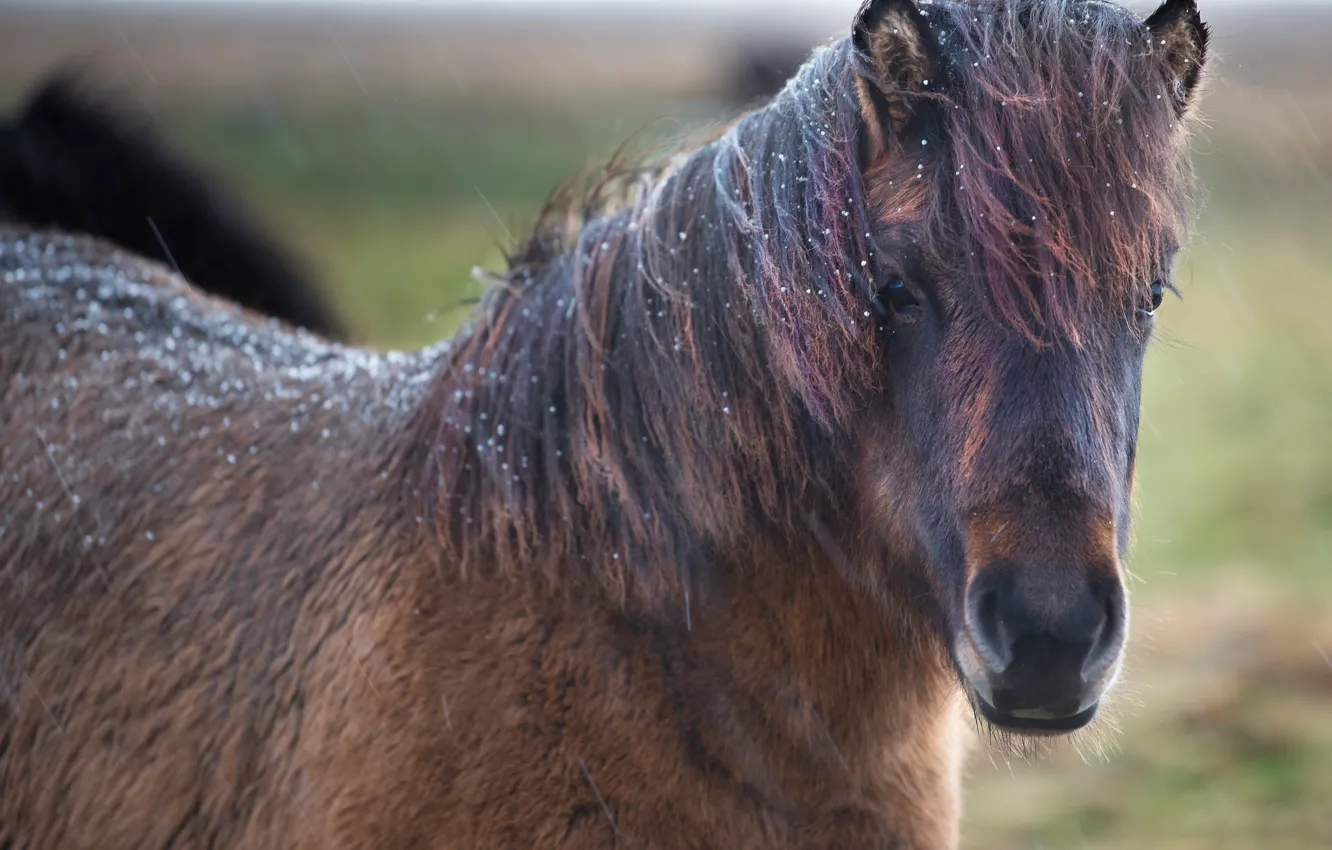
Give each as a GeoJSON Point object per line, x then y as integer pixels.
{"type": "Point", "coordinates": [183, 506]}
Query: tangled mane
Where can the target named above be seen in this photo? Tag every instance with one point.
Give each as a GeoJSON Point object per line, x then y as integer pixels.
{"type": "Point", "coordinates": [672, 360]}
{"type": "Point", "coordinates": [662, 361]}
{"type": "Point", "coordinates": [1063, 177]}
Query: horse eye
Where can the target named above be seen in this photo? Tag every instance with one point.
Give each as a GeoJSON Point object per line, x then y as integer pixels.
{"type": "Point", "coordinates": [1157, 295]}
{"type": "Point", "coordinates": [897, 298]}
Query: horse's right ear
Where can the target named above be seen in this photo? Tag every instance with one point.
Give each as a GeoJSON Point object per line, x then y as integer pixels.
{"type": "Point", "coordinates": [897, 57]}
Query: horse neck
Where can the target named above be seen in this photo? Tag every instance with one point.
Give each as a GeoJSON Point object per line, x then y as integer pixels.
{"type": "Point", "coordinates": [840, 643]}
{"type": "Point", "coordinates": [827, 690]}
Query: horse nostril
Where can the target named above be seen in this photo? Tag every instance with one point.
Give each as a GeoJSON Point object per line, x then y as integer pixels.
{"type": "Point", "coordinates": [1109, 637]}
{"type": "Point", "coordinates": [993, 641]}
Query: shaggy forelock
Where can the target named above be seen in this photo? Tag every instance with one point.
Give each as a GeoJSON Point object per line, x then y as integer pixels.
{"type": "Point", "coordinates": [1062, 178]}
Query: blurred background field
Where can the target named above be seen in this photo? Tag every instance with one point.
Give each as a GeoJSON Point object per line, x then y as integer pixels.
{"type": "Point", "coordinates": [398, 149]}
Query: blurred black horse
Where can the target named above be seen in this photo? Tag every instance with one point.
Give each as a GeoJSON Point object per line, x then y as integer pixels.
{"type": "Point", "coordinates": [75, 160]}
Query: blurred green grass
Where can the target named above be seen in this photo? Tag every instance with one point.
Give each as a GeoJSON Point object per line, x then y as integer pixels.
{"type": "Point", "coordinates": [1227, 739]}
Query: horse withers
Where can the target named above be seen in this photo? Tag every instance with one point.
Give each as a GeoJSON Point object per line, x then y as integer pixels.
{"type": "Point", "coordinates": [757, 471]}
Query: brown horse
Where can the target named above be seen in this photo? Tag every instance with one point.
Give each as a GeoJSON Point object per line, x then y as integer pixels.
{"type": "Point", "coordinates": [754, 473]}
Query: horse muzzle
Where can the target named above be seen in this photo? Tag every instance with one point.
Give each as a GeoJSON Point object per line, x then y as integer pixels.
{"type": "Point", "coordinates": [1040, 655]}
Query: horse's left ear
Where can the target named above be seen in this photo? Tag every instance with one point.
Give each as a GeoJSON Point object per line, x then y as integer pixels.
{"type": "Point", "coordinates": [897, 56]}
{"type": "Point", "coordinates": [1180, 37]}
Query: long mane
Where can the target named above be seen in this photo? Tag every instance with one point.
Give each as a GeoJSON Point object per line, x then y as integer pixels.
{"type": "Point", "coordinates": [663, 359]}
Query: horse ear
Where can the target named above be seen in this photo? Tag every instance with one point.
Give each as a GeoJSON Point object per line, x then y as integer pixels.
{"type": "Point", "coordinates": [897, 57]}
{"type": "Point", "coordinates": [1180, 37]}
